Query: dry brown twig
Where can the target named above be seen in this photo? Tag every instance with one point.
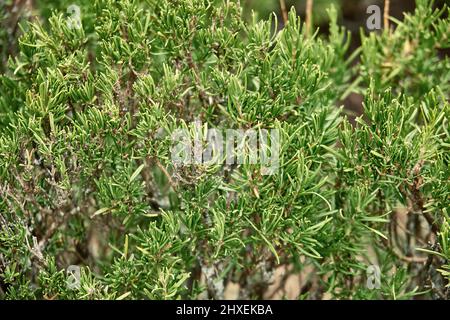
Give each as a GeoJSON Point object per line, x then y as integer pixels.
{"type": "Point", "coordinates": [284, 11]}
{"type": "Point", "coordinates": [387, 4]}
{"type": "Point", "coordinates": [309, 9]}
{"type": "Point", "coordinates": [166, 173]}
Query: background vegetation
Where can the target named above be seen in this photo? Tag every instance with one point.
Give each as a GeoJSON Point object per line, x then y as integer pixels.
{"type": "Point", "coordinates": [86, 177]}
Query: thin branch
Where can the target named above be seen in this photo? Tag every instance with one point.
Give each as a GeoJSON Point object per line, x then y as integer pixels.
{"type": "Point", "coordinates": [166, 173]}
{"type": "Point", "coordinates": [284, 11]}
{"type": "Point", "coordinates": [394, 249]}
{"type": "Point", "coordinates": [309, 10]}
{"type": "Point", "coordinates": [387, 4]}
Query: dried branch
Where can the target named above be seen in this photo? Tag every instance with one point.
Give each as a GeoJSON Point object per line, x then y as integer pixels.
{"type": "Point", "coordinates": [309, 16]}
{"type": "Point", "coordinates": [386, 14]}
{"type": "Point", "coordinates": [284, 11]}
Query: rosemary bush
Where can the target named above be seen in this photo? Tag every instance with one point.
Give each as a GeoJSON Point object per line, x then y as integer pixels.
{"type": "Point", "coordinates": [87, 176]}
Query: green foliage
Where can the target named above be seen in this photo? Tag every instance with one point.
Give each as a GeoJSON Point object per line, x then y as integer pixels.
{"type": "Point", "coordinates": [86, 175]}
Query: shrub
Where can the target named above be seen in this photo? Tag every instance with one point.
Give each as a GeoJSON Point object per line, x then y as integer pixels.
{"type": "Point", "coordinates": [88, 177]}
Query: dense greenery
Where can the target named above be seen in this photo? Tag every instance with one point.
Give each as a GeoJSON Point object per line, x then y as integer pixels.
{"type": "Point", "coordinates": [86, 176]}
